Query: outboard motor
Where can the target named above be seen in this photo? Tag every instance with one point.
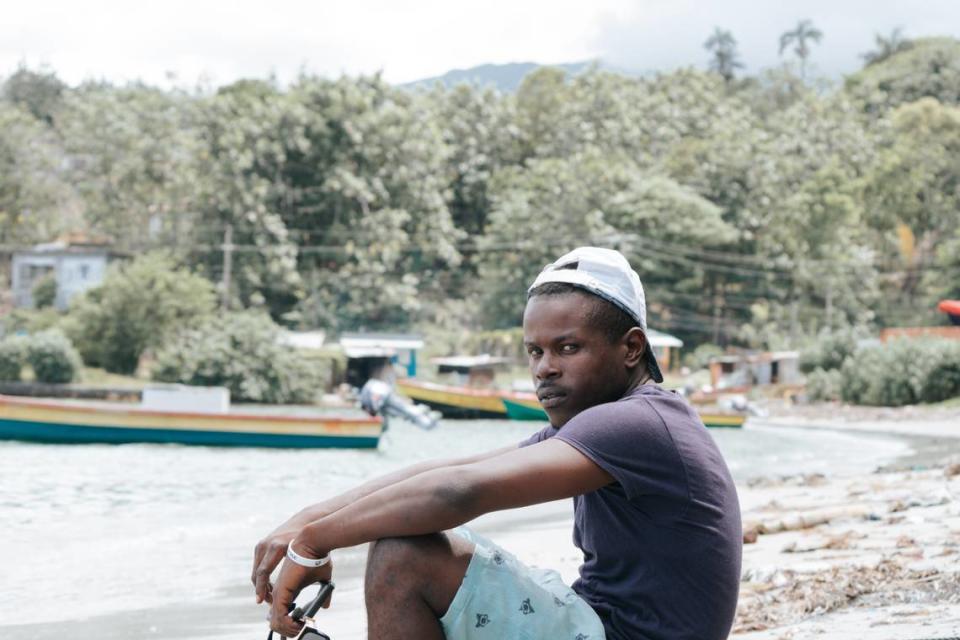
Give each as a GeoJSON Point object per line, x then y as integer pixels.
{"type": "Point", "coordinates": [377, 398]}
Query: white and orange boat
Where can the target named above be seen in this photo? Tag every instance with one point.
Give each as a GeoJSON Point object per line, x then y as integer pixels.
{"type": "Point", "coordinates": [71, 422]}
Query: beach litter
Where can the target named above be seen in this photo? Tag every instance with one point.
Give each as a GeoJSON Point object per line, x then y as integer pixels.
{"type": "Point", "coordinates": [884, 544]}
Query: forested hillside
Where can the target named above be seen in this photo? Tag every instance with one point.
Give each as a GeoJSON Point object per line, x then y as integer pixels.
{"type": "Point", "coordinates": [758, 210]}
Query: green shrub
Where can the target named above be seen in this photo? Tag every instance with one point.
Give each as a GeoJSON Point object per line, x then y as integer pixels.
{"type": "Point", "coordinates": [12, 357]}
{"type": "Point", "coordinates": [824, 385]}
{"type": "Point", "coordinates": [829, 350]}
{"type": "Point", "coordinates": [239, 351]}
{"type": "Point", "coordinates": [901, 372]}
{"type": "Point", "coordinates": [139, 306]}
{"type": "Point", "coordinates": [29, 320]}
{"type": "Point", "coordinates": [53, 358]}
{"type": "Point", "coordinates": [943, 380]}
{"type": "Point", "coordinates": [44, 292]}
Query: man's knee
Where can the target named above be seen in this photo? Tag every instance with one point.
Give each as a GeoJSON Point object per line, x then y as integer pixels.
{"type": "Point", "coordinates": [392, 562]}
{"type": "Point", "coordinates": [430, 567]}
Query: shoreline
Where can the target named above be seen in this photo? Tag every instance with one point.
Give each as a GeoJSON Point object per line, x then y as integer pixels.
{"type": "Point", "coordinates": [929, 441]}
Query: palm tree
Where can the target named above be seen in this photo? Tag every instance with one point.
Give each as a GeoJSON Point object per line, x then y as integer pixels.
{"type": "Point", "coordinates": [800, 37]}
{"type": "Point", "coordinates": [723, 46]}
{"type": "Point", "coordinates": [887, 46]}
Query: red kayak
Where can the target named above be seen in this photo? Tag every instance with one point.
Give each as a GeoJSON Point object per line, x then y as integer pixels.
{"type": "Point", "coordinates": [952, 309]}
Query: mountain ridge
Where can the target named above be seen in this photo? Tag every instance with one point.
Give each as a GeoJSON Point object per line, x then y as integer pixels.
{"type": "Point", "coordinates": [505, 77]}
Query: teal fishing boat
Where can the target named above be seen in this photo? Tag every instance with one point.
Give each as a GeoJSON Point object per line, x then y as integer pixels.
{"type": "Point", "coordinates": [60, 422]}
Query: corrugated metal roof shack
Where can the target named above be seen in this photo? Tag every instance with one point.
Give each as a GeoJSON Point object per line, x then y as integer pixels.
{"type": "Point", "coordinates": [374, 355]}
{"type": "Point", "coordinates": [749, 369]}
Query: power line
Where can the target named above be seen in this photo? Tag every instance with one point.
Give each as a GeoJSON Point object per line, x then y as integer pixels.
{"type": "Point", "coordinates": [773, 275]}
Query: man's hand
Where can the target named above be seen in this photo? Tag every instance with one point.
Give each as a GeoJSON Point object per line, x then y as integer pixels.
{"type": "Point", "coordinates": [292, 579]}
{"type": "Point", "coordinates": [266, 556]}
{"type": "Point", "coordinates": [269, 551]}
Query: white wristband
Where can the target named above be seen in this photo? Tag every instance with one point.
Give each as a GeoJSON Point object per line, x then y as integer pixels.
{"type": "Point", "coordinates": [310, 563]}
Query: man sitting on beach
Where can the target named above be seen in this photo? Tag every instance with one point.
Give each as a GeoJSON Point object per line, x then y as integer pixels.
{"type": "Point", "coordinates": [656, 512]}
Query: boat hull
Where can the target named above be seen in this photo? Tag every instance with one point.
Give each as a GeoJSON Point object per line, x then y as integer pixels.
{"type": "Point", "coordinates": [460, 402]}
{"type": "Point", "coordinates": [531, 410]}
{"type": "Point", "coordinates": [524, 410]}
{"type": "Point", "coordinates": [952, 309]}
{"type": "Point", "coordinates": [455, 402]}
{"type": "Point", "coordinates": [722, 420]}
{"type": "Point", "coordinates": [55, 423]}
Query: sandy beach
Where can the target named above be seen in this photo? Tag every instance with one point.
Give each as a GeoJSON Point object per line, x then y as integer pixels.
{"type": "Point", "coordinates": [866, 551]}
{"type": "Point", "coordinates": [868, 555]}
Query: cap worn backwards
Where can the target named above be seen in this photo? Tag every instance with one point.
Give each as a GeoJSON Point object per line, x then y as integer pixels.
{"type": "Point", "coordinates": [607, 274]}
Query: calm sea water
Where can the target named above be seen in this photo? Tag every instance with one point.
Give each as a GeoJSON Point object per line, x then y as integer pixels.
{"type": "Point", "coordinates": [91, 531]}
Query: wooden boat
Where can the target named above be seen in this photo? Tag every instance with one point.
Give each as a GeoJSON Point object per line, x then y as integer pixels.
{"type": "Point", "coordinates": [455, 402]}
{"type": "Point", "coordinates": [52, 421]}
{"type": "Point", "coordinates": [530, 409]}
{"type": "Point", "coordinates": [463, 402]}
{"type": "Point", "coordinates": [721, 419]}
{"type": "Point", "coordinates": [952, 309]}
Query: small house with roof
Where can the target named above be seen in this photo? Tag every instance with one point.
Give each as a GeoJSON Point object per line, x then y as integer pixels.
{"type": "Point", "coordinates": [743, 370]}
{"type": "Point", "coordinates": [663, 345]}
{"type": "Point", "coordinates": [471, 371]}
{"type": "Point", "coordinates": [76, 261]}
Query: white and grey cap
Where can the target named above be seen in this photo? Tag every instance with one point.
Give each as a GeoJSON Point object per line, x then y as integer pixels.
{"type": "Point", "coordinates": [605, 273]}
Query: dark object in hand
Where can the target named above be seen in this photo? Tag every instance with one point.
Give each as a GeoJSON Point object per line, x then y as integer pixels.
{"type": "Point", "coordinates": [306, 613]}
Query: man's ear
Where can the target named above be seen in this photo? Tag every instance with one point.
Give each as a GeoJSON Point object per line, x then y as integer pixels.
{"type": "Point", "coordinates": [636, 347]}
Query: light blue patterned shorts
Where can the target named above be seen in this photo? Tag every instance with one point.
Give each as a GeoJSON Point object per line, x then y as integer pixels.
{"type": "Point", "coordinates": [503, 599]}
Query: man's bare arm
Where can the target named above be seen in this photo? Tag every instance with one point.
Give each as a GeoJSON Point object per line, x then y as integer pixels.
{"type": "Point", "coordinates": [270, 550]}
{"type": "Point", "coordinates": [438, 499]}
{"type": "Point", "coordinates": [449, 496]}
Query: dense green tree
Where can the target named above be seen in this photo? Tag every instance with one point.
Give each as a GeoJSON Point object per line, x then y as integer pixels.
{"type": "Point", "coordinates": [479, 129]}
{"type": "Point", "coordinates": [36, 200]}
{"type": "Point", "coordinates": [336, 193]}
{"type": "Point", "coordinates": [928, 69]}
{"type": "Point", "coordinates": [554, 205]}
{"type": "Point", "coordinates": [135, 161]}
{"type": "Point", "coordinates": [541, 101]}
{"type": "Point", "coordinates": [139, 306]}
{"type": "Point", "coordinates": [249, 130]}
{"type": "Point", "coordinates": [39, 92]}
{"type": "Point", "coordinates": [914, 193]}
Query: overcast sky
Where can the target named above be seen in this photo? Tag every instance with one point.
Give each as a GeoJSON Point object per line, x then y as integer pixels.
{"type": "Point", "coordinates": [218, 41]}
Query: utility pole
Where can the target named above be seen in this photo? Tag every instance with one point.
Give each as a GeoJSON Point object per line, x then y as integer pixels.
{"type": "Point", "coordinates": [717, 310]}
{"type": "Point", "coordinates": [227, 264]}
{"type": "Point", "coordinates": [829, 304]}
{"type": "Point", "coordinates": [794, 324]}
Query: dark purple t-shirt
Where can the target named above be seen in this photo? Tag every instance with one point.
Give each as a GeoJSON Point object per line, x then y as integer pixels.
{"type": "Point", "coordinates": [661, 545]}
